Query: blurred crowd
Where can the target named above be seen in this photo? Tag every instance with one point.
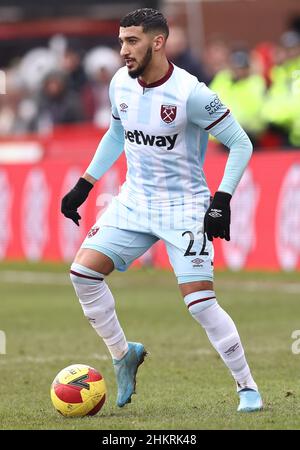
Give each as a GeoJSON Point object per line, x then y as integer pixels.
{"type": "Point", "coordinates": [261, 86]}
{"type": "Point", "coordinates": [63, 84]}
{"type": "Point", "coordinates": [58, 84]}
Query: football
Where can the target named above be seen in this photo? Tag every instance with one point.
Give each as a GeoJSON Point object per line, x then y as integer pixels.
{"type": "Point", "coordinates": [78, 390]}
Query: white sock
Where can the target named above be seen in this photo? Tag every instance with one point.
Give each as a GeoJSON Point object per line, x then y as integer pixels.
{"type": "Point", "coordinates": [99, 308]}
{"type": "Point", "coordinates": [223, 335]}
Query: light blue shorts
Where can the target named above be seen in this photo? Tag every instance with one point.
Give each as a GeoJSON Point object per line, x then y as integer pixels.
{"type": "Point", "coordinates": [124, 234]}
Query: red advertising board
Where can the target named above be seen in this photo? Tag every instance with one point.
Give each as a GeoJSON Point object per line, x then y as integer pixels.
{"type": "Point", "coordinates": [265, 228]}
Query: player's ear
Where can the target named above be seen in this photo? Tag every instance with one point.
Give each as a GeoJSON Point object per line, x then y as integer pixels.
{"type": "Point", "coordinates": [158, 42]}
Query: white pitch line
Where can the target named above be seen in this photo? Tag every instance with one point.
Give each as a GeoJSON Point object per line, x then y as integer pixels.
{"type": "Point", "coordinates": [62, 279]}
{"type": "Point", "coordinates": [52, 359]}
{"type": "Point", "coordinates": [252, 286]}
{"type": "Point", "coordinates": [4, 360]}
{"type": "Point", "coordinates": [26, 277]}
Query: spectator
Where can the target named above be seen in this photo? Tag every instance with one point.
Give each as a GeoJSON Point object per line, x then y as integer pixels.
{"type": "Point", "coordinates": [281, 108]}
{"type": "Point", "coordinates": [216, 56]}
{"type": "Point", "coordinates": [72, 66]}
{"type": "Point", "coordinates": [34, 66]}
{"type": "Point", "coordinates": [263, 58]}
{"type": "Point", "coordinates": [179, 53]}
{"type": "Point", "coordinates": [243, 92]}
{"type": "Point", "coordinates": [56, 104]}
{"type": "Point", "coordinates": [100, 65]}
{"type": "Point", "coordinates": [16, 110]}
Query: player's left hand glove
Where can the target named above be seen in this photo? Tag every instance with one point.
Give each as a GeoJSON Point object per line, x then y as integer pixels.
{"type": "Point", "coordinates": [217, 217]}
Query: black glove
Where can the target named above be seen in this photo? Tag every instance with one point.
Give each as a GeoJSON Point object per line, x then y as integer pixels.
{"type": "Point", "coordinates": [217, 217]}
{"type": "Point", "coordinates": [75, 198]}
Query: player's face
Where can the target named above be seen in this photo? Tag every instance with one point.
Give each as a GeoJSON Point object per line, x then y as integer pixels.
{"type": "Point", "coordinates": [136, 49]}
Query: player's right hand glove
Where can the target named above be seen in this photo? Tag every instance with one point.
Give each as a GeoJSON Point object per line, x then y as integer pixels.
{"type": "Point", "coordinates": [217, 217]}
{"type": "Point", "coordinates": [73, 199]}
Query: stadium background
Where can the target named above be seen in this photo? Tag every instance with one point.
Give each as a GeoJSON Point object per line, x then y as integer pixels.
{"type": "Point", "coordinates": [264, 233]}
{"type": "Point", "coordinates": [40, 160]}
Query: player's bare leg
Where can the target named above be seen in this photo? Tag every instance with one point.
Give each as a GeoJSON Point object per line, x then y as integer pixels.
{"type": "Point", "coordinates": [201, 301]}
{"type": "Point", "coordinates": [87, 275]}
{"type": "Point", "coordinates": [94, 260]}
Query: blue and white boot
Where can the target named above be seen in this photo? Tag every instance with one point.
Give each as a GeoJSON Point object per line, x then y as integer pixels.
{"type": "Point", "coordinates": [250, 400]}
{"type": "Point", "coordinates": [126, 369]}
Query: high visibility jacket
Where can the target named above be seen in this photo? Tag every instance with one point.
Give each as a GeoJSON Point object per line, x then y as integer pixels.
{"type": "Point", "coordinates": [244, 97]}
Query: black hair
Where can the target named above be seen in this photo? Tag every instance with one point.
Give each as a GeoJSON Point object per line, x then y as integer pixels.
{"type": "Point", "coordinates": [150, 19]}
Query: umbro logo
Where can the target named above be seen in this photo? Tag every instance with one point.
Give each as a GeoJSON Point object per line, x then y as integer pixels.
{"type": "Point", "coordinates": [215, 213]}
{"type": "Point", "coordinates": [231, 349]}
{"type": "Point", "coordinates": [197, 262]}
{"type": "Point", "coordinates": [123, 107]}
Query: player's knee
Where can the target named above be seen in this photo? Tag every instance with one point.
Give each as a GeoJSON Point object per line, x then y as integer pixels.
{"type": "Point", "coordinates": [94, 296]}
{"type": "Point", "coordinates": [87, 282]}
{"type": "Point", "coordinates": [199, 301]}
{"type": "Point", "coordinates": [96, 260]}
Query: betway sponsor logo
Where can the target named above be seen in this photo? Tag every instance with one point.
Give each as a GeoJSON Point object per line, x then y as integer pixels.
{"type": "Point", "coordinates": [145, 139]}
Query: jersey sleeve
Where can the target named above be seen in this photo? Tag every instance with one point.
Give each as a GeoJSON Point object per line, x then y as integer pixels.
{"type": "Point", "coordinates": [235, 138]}
{"type": "Point", "coordinates": [114, 109]}
{"type": "Point", "coordinates": [205, 109]}
{"type": "Point", "coordinates": [111, 145]}
{"type": "Point", "coordinates": [108, 151]}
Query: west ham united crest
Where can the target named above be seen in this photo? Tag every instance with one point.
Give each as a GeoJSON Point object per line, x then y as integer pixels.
{"type": "Point", "coordinates": [168, 113]}
{"type": "Point", "coordinates": [93, 231]}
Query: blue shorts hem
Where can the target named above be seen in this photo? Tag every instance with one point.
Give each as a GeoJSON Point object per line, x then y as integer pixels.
{"type": "Point", "coordinates": [190, 278]}
{"type": "Point", "coordinates": [119, 263]}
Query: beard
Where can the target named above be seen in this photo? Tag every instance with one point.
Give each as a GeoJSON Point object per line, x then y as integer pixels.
{"type": "Point", "coordinates": [142, 66]}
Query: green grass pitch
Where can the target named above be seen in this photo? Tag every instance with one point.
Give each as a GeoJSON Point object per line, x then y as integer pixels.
{"type": "Point", "coordinates": [182, 384]}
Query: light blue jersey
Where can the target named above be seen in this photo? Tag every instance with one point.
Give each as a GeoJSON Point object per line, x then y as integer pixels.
{"type": "Point", "coordinates": [165, 142]}
{"type": "Point", "coordinates": [163, 128]}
